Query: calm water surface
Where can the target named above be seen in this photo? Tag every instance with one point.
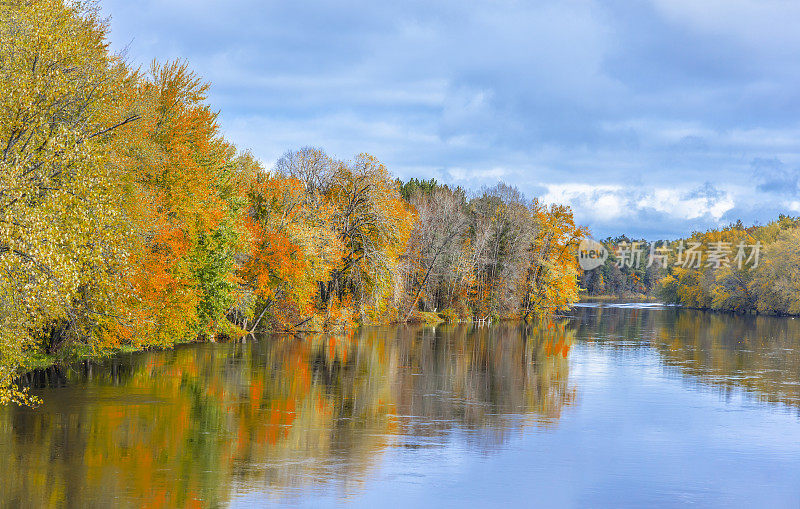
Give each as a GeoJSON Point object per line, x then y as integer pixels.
{"type": "Point", "coordinates": [625, 405]}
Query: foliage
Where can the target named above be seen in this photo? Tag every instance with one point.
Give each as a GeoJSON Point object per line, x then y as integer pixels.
{"type": "Point", "coordinates": [551, 278]}
{"type": "Point", "coordinates": [777, 280]}
{"type": "Point", "coordinates": [449, 315]}
{"type": "Point", "coordinates": [358, 203]}
{"type": "Point", "coordinates": [292, 249]}
{"type": "Point", "coordinates": [772, 286]}
{"type": "Point", "coordinates": [416, 186]}
{"type": "Point", "coordinates": [623, 280]}
{"type": "Point", "coordinates": [62, 241]}
{"type": "Point", "coordinates": [185, 198]}
{"type": "Point", "coordinates": [496, 255]}
{"type": "Point", "coordinates": [129, 222]}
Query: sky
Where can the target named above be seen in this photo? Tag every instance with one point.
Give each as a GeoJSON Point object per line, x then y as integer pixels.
{"type": "Point", "coordinates": [652, 118]}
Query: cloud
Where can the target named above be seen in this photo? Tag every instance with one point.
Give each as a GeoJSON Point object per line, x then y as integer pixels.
{"type": "Point", "coordinates": [773, 177]}
{"type": "Point", "coordinates": [652, 213]}
{"type": "Point", "coordinates": [655, 105]}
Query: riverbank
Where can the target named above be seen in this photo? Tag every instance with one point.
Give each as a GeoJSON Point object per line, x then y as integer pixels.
{"type": "Point", "coordinates": [632, 297]}
{"type": "Point", "coordinates": [652, 299]}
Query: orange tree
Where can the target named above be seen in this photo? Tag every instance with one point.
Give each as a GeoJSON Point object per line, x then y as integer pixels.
{"type": "Point", "coordinates": [291, 250]}
{"type": "Point", "coordinates": [185, 205]}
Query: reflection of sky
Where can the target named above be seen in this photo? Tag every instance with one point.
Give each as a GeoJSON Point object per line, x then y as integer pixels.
{"type": "Point", "coordinates": [656, 117]}
{"type": "Point", "coordinates": [638, 435]}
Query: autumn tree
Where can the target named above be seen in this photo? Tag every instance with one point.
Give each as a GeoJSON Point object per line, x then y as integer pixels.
{"type": "Point", "coordinates": [551, 276]}
{"type": "Point", "coordinates": [186, 198]}
{"type": "Point", "coordinates": [62, 237]}
{"type": "Point", "coordinates": [362, 207]}
{"type": "Point", "coordinates": [776, 283]}
{"type": "Point", "coordinates": [292, 249]}
{"type": "Point", "coordinates": [742, 283]}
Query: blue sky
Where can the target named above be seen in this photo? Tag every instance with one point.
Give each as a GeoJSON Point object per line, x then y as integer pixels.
{"type": "Point", "coordinates": [652, 118]}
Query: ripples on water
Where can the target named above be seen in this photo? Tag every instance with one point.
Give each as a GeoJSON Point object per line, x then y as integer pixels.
{"type": "Point", "coordinates": [615, 405]}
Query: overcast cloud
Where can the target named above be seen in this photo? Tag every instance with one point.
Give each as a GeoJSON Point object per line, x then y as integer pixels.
{"type": "Point", "coordinates": [649, 118]}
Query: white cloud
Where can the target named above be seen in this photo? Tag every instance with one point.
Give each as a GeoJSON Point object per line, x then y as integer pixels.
{"type": "Point", "coordinates": [614, 205]}
{"type": "Point", "coordinates": [675, 203]}
{"type": "Point", "coordinates": [492, 174]}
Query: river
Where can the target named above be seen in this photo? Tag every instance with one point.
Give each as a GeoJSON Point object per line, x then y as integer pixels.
{"type": "Point", "coordinates": [610, 406]}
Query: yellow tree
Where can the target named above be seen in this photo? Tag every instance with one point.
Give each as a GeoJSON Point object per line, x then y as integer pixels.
{"type": "Point", "coordinates": [551, 280]}
{"type": "Point", "coordinates": [61, 233]}
{"type": "Point", "coordinates": [373, 224]}
{"type": "Point", "coordinates": [777, 278]}
{"type": "Point", "coordinates": [360, 204]}
{"type": "Point", "coordinates": [712, 278]}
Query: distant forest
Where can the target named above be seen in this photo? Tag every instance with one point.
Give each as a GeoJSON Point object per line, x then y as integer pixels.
{"type": "Point", "coordinates": [766, 280]}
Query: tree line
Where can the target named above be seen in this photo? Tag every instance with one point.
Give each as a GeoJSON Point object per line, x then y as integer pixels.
{"type": "Point", "coordinates": [727, 272]}
{"type": "Point", "coordinates": [769, 285]}
{"type": "Point", "coordinates": [129, 221]}
{"type": "Point", "coordinates": [618, 279]}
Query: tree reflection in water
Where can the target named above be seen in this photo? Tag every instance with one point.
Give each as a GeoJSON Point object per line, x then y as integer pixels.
{"type": "Point", "coordinates": [196, 425]}
{"type": "Point", "coordinates": [757, 354]}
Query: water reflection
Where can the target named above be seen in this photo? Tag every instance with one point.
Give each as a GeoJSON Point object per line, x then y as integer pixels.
{"type": "Point", "coordinates": [757, 354]}
{"type": "Point", "coordinates": [199, 424]}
